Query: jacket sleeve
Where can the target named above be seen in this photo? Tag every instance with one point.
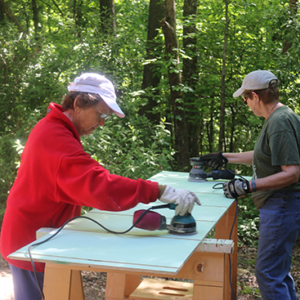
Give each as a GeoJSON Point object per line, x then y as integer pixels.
{"type": "Point", "coordinates": [83, 181]}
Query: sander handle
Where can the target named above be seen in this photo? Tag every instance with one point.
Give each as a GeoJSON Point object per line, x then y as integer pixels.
{"type": "Point", "coordinates": [221, 174]}
{"type": "Point", "coordinates": [169, 205]}
{"type": "Point", "coordinates": [162, 206]}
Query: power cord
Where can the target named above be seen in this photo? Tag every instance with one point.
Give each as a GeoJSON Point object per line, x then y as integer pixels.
{"type": "Point", "coordinates": [83, 217]}
{"type": "Point", "coordinates": [229, 255]}
{"type": "Point", "coordinates": [234, 220]}
{"type": "Point", "coordinates": [123, 232]}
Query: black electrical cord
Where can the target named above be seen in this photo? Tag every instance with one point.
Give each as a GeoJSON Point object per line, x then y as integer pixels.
{"type": "Point", "coordinates": [234, 220]}
{"type": "Point", "coordinates": [83, 217]}
{"type": "Point", "coordinates": [229, 255]}
{"type": "Point", "coordinates": [123, 232]}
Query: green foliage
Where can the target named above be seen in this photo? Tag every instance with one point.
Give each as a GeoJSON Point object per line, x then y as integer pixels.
{"type": "Point", "coordinates": [11, 146]}
{"type": "Point", "coordinates": [134, 149]}
{"type": "Point", "coordinates": [247, 290]}
{"type": "Point", "coordinates": [8, 170]}
{"type": "Point", "coordinates": [36, 70]}
{"type": "Point", "coordinates": [248, 222]}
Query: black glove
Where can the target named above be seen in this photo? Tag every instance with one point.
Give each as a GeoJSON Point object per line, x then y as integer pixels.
{"type": "Point", "coordinates": [236, 187]}
{"type": "Point", "coordinates": [215, 160]}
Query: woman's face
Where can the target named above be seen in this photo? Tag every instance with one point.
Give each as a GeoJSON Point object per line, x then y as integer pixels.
{"type": "Point", "coordinates": [86, 120]}
{"type": "Point", "coordinates": [254, 104]}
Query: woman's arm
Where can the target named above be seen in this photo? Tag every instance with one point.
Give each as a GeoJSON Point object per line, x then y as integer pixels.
{"type": "Point", "coordinates": [244, 158]}
{"type": "Point", "coordinates": [288, 175]}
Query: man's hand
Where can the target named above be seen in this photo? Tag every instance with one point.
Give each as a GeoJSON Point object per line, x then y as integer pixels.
{"type": "Point", "coordinates": [236, 187]}
{"type": "Point", "coordinates": [184, 199]}
{"type": "Point", "coordinates": [215, 160]}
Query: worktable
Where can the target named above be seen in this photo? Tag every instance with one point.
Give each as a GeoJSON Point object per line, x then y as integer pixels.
{"type": "Point", "coordinates": [200, 266]}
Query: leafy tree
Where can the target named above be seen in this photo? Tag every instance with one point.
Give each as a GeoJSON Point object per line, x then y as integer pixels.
{"type": "Point", "coordinates": [223, 77]}
{"type": "Point", "coordinates": [108, 16]}
{"type": "Point", "coordinates": [172, 57]}
{"type": "Point", "coordinates": [6, 10]}
{"type": "Point", "coordinates": [71, 40]}
{"type": "Point", "coordinates": [190, 74]}
{"type": "Point", "coordinates": [151, 75]}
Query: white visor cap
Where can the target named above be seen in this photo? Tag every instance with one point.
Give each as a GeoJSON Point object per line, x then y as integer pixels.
{"type": "Point", "coordinates": [97, 84]}
{"type": "Point", "coordinates": [256, 80]}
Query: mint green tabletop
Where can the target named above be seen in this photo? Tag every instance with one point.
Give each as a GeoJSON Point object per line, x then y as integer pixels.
{"type": "Point", "coordinates": [84, 243]}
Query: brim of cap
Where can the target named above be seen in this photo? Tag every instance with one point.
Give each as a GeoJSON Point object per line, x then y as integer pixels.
{"type": "Point", "coordinates": [239, 92]}
{"type": "Point", "coordinates": [114, 106]}
{"type": "Point", "coordinates": [91, 89]}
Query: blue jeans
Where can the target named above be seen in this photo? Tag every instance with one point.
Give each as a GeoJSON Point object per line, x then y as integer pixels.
{"type": "Point", "coordinates": [278, 231]}
{"type": "Point", "coordinates": [25, 285]}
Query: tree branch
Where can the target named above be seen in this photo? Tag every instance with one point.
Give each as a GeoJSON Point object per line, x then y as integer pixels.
{"type": "Point", "coordinates": [10, 15]}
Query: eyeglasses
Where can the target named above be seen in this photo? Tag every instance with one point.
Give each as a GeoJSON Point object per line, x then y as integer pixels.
{"type": "Point", "coordinates": [245, 99]}
{"type": "Point", "coordinates": [103, 116]}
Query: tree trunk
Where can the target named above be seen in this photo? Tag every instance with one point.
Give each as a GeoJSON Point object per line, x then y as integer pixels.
{"type": "Point", "coordinates": [10, 15]}
{"type": "Point", "coordinates": [56, 5]}
{"type": "Point", "coordinates": [232, 130]}
{"type": "Point", "coordinates": [35, 17]}
{"type": "Point", "coordinates": [190, 75]}
{"type": "Point", "coordinates": [222, 112]}
{"type": "Point", "coordinates": [108, 16]}
{"type": "Point", "coordinates": [210, 130]}
{"type": "Point", "coordinates": [151, 79]}
{"type": "Point", "coordinates": [2, 14]}
{"type": "Point", "coordinates": [180, 127]}
{"type": "Point", "coordinates": [77, 13]}
{"type": "Point", "coordinates": [287, 44]}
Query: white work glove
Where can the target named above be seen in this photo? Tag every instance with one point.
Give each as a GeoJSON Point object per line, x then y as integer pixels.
{"type": "Point", "coordinates": [184, 199]}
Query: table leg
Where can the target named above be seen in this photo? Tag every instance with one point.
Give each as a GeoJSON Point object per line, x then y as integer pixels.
{"type": "Point", "coordinates": [62, 284]}
{"type": "Point", "coordinates": [207, 271]}
{"type": "Point", "coordinates": [77, 292]}
{"type": "Point", "coordinates": [120, 286]}
{"type": "Point", "coordinates": [223, 229]}
{"type": "Point", "coordinates": [57, 283]}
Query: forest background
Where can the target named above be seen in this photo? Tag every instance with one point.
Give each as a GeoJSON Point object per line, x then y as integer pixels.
{"type": "Point", "coordinates": [174, 65]}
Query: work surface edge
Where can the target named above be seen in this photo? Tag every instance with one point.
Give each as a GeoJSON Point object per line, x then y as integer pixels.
{"type": "Point", "coordinates": [21, 254]}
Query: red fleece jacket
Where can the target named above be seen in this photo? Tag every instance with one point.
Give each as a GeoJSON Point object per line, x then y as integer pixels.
{"type": "Point", "coordinates": [56, 177]}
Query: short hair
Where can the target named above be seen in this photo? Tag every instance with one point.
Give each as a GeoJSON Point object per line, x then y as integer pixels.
{"type": "Point", "coordinates": [267, 95]}
{"type": "Point", "coordinates": [84, 100]}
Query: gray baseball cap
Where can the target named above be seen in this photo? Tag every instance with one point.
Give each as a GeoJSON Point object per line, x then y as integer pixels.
{"type": "Point", "coordinates": [256, 80]}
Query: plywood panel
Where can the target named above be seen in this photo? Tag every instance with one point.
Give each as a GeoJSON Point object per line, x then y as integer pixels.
{"type": "Point", "coordinates": [203, 266]}
{"type": "Point", "coordinates": [82, 243]}
{"type": "Point", "coordinates": [223, 229]}
{"type": "Point", "coordinates": [119, 251]}
{"type": "Point", "coordinates": [161, 289]}
{"type": "Point", "coordinates": [120, 286]}
{"type": "Point", "coordinates": [115, 286]}
{"type": "Point", "coordinates": [207, 293]}
{"type": "Point", "coordinates": [201, 213]}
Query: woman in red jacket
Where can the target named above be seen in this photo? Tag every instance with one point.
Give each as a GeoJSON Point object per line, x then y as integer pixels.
{"type": "Point", "coordinates": [56, 177]}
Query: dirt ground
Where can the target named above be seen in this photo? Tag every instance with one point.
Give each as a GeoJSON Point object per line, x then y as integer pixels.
{"type": "Point", "coordinates": [94, 283]}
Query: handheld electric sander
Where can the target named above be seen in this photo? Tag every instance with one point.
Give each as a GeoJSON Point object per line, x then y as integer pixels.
{"type": "Point", "coordinates": [198, 174]}
{"type": "Point", "coordinates": [150, 220]}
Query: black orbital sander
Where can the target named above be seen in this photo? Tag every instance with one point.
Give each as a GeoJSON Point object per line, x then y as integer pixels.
{"type": "Point", "coordinates": [198, 174]}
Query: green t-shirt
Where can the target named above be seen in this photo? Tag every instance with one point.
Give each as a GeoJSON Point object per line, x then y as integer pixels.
{"type": "Point", "coordinates": [277, 145]}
